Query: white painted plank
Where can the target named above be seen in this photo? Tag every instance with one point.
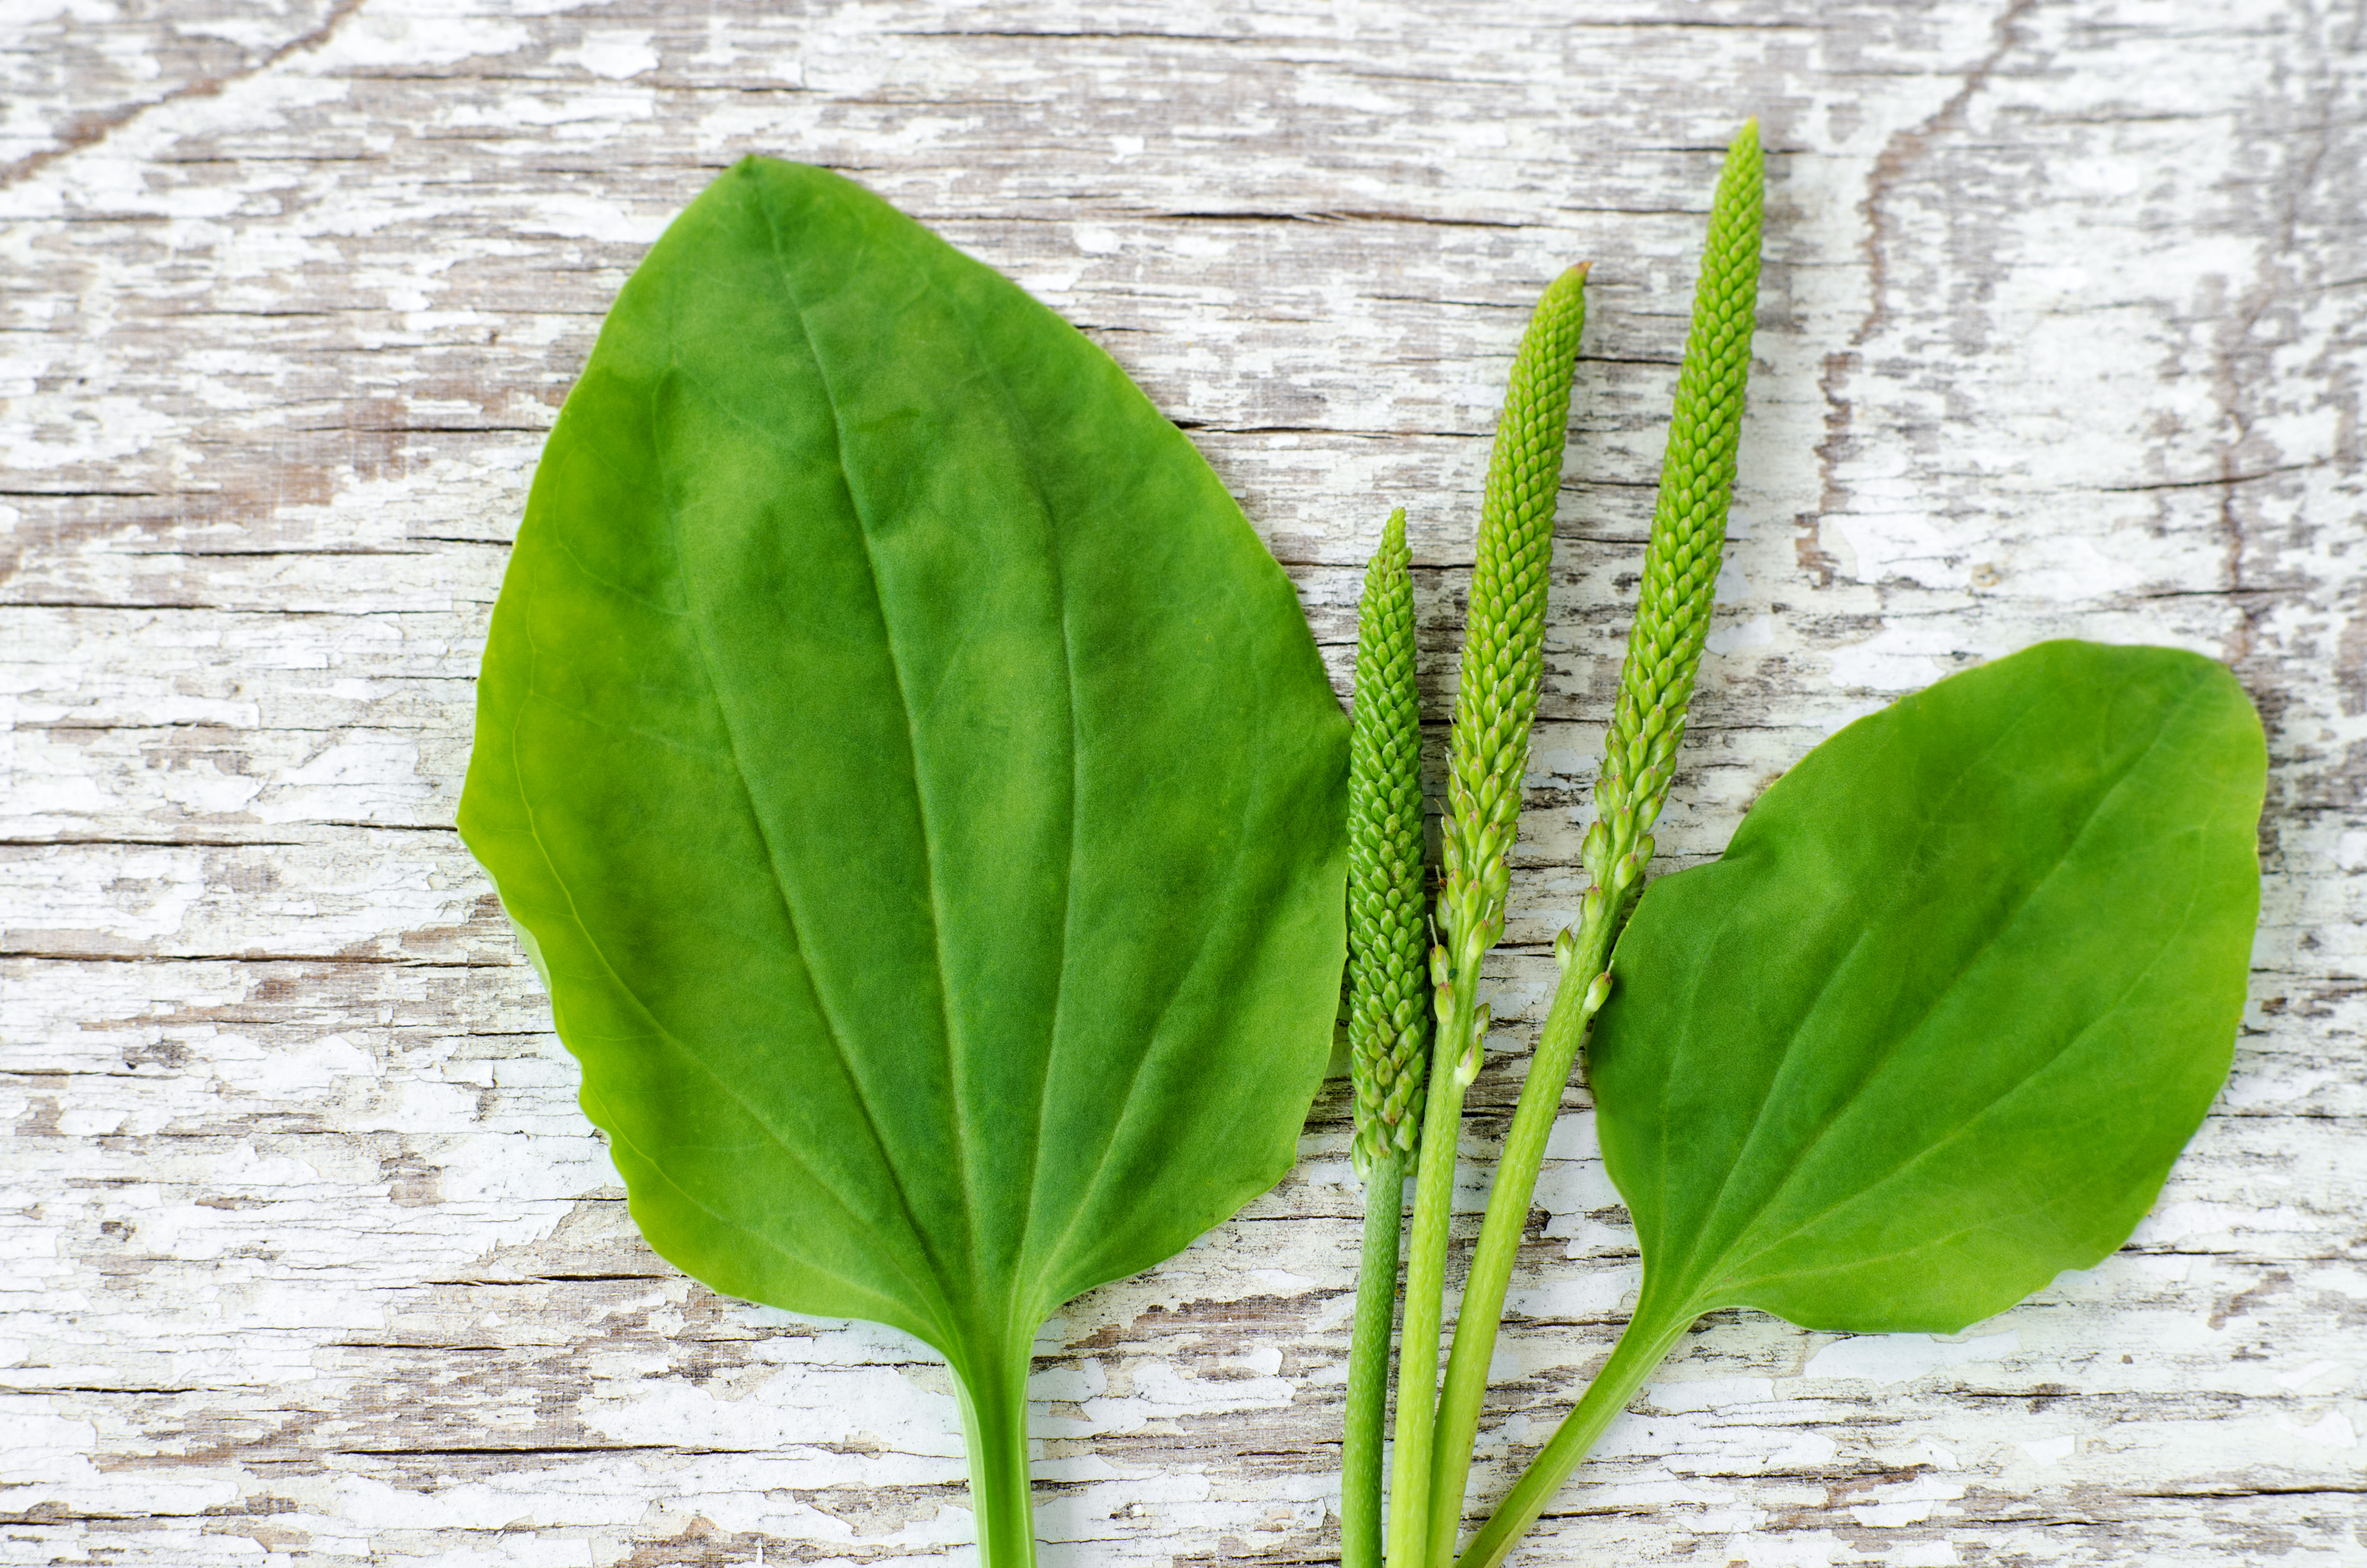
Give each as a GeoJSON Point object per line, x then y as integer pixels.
{"type": "Point", "coordinates": [309, 1257]}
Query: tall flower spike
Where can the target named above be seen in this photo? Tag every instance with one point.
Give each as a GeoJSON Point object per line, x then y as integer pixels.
{"type": "Point", "coordinates": [1504, 643]}
{"type": "Point", "coordinates": [1389, 941]}
{"type": "Point", "coordinates": [1672, 607]}
{"type": "Point", "coordinates": [1389, 1005]}
{"type": "Point", "coordinates": [1503, 655]}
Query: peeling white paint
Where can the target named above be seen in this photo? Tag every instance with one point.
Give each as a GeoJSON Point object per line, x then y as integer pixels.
{"type": "Point", "coordinates": [1903, 1358]}
{"type": "Point", "coordinates": [289, 1130]}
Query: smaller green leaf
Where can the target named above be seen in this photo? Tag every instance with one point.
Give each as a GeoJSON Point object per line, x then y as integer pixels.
{"type": "Point", "coordinates": [1935, 1026]}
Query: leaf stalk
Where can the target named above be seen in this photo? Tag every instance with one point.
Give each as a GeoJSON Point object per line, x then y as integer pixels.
{"type": "Point", "coordinates": [1643, 1346]}
{"type": "Point", "coordinates": [994, 1430]}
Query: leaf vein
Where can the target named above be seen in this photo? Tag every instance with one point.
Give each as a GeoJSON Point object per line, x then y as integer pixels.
{"type": "Point", "coordinates": [962, 1136]}
{"type": "Point", "coordinates": [534, 831]}
{"type": "Point", "coordinates": [2186, 918]}
{"type": "Point", "coordinates": [1896, 1049]}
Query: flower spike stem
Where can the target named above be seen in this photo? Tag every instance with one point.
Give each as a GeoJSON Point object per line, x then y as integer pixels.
{"type": "Point", "coordinates": [1656, 683]}
{"type": "Point", "coordinates": [1495, 704]}
{"type": "Point", "coordinates": [1368, 1365]}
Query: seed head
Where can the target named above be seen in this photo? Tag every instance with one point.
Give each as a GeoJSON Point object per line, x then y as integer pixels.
{"type": "Point", "coordinates": [1388, 939]}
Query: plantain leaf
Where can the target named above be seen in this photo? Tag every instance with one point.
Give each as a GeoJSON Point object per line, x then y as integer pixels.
{"type": "Point", "coordinates": [1963, 983]}
{"type": "Point", "coordinates": [1935, 1026]}
{"type": "Point", "coordinates": [919, 786]}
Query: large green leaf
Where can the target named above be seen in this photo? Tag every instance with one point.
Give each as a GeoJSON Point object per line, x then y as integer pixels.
{"type": "Point", "coordinates": [918, 784]}
{"type": "Point", "coordinates": [1935, 1026]}
{"type": "Point", "coordinates": [1962, 986]}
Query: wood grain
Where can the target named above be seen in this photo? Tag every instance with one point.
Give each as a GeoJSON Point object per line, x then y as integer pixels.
{"type": "Point", "coordinates": [310, 1257]}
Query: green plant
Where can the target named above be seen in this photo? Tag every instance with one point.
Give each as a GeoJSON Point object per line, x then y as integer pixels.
{"type": "Point", "coordinates": [1495, 703]}
{"type": "Point", "coordinates": [1388, 998]}
{"type": "Point", "coordinates": [918, 788]}
{"type": "Point", "coordinates": [920, 795]}
{"type": "Point", "coordinates": [1935, 1026]}
{"type": "Point", "coordinates": [1932, 1031]}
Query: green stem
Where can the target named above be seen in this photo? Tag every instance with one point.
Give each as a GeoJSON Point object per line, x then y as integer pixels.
{"type": "Point", "coordinates": [1478, 1317]}
{"type": "Point", "coordinates": [1648, 1338]}
{"type": "Point", "coordinates": [1425, 1289]}
{"type": "Point", "coordinates": [994, 1428]}
{"type": "Point", "coordinates": [1368, 1364]}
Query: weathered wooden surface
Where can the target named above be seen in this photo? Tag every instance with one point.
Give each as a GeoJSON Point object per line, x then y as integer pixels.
{"type": "Point", "coordinates": [309, 1257]}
